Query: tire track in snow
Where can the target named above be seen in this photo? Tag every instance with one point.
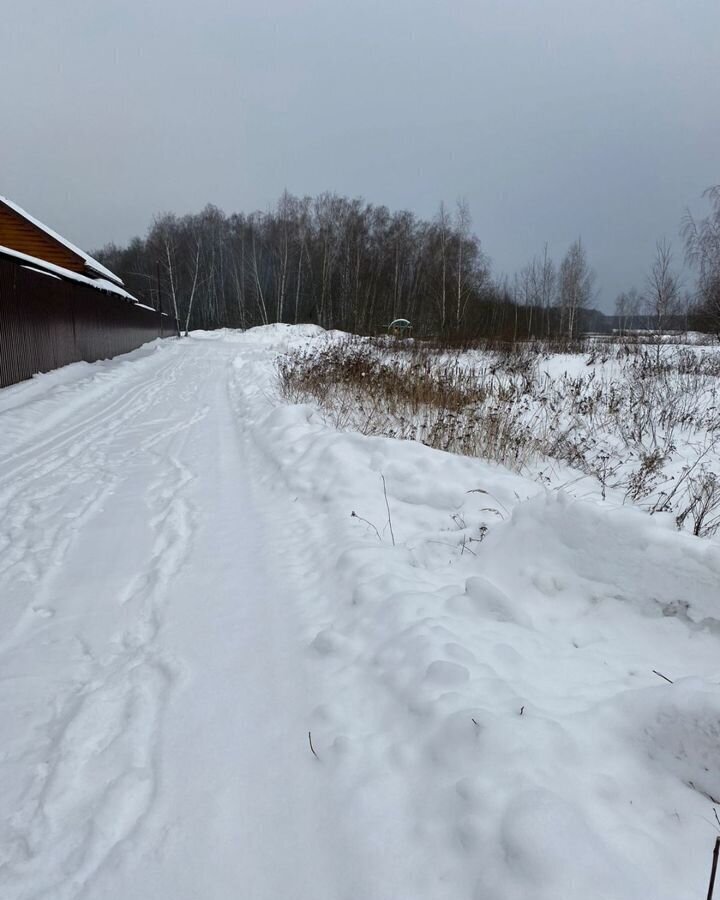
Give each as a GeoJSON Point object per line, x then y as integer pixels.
{"type": "Point", "coordinates": [35, 536]}
{"type": "Point", "coordinates": [110, 409]}
{"type": "Point", "coordinates": [98, 775]}
{"type": "Point", "coordinates": [77, 437]}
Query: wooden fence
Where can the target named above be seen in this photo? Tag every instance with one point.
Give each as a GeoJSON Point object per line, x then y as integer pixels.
{"type": "Point", "coordinates": [47, 322]}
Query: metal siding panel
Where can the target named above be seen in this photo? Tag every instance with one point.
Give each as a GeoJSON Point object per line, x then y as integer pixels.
{"type": "Point", "coordinates": [46, 323]}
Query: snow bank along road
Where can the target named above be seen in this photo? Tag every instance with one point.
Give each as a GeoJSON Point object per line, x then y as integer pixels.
{"type": "Point", "coordinates": [184, 595]}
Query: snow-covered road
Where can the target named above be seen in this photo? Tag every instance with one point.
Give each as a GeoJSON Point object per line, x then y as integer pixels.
{"type": "Point", "coordinates": [184, 595]}
{"type": "Point", "coordinates": [153, 703]}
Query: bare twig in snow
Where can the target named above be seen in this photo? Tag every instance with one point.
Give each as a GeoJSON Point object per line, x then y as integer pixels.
{"type": "Point", "coordinates": [311, 746]}
{"type": "Point", "coordinates": [387, 504]}
{"type": "Point", "coordinates": [713, 871]}
{"type": "Point", "coordinates": [481, 491]}
{"type": "Point", "coordinates": [354, 515]}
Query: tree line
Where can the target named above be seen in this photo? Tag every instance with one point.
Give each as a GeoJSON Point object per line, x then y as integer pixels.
{"type": "Point", "coordinates": [664, 302]}
{"type": "Point", "coordinates": [347, 264]}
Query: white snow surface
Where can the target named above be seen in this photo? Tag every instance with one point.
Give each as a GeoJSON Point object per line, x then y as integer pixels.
{"type": "Point", "coordinates": [102, 284]}
{"type": "Point", "coordinates": [185, 595]}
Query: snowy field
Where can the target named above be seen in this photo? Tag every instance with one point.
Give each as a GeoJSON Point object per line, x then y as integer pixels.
{"type": "Point", "coordinates": [188, 602]}
{"type": "Point", "coordinates": [639, 422]}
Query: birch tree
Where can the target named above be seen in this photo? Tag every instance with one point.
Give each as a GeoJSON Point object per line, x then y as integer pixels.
{"type": "Point", "coordinates": [662, 292]}
{"type": "Point", "coordinates": [702, 250]}
{"type": "Point", "coordinates": [576, 287]}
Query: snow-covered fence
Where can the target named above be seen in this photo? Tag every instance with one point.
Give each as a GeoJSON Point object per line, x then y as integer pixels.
{"type": "Point", "coordinates": [47, 321]}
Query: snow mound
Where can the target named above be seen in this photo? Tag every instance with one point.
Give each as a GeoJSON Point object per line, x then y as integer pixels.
{"type": "Point", "coordinates": [277, 336]}
{"type": "Point", "coordinates": [677, 728]}
{"type": "Point", "coordinates": [490, 649]}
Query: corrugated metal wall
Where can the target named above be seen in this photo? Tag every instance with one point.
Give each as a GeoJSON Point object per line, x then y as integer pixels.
{"type": "Point", "coordinates": [46, 322]}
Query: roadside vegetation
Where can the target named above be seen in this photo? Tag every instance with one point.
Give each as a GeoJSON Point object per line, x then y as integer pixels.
{"type": "Point", "coordinates": [642, 420]}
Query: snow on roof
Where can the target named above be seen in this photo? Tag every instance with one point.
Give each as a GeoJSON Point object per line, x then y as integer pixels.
{"type": "Point", "coordinates": [102, 284]}
{"type": "Point", "coordinates": [89, 261]}
{"type": "Point", "coordinates": [43, 272]}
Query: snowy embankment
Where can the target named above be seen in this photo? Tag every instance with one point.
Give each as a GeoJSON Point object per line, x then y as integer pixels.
{"type": "Point", "coordinates": [493, 708]}
{"type": "Point", "coordinates": [186, 595]}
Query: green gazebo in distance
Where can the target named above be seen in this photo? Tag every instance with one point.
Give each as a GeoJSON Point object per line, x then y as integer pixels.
{"type": "Point", "coordinates": [400, 328]}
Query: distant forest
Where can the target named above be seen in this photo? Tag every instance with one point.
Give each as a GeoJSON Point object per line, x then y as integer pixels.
{"type": "Point", "coordinates": [354, 266]}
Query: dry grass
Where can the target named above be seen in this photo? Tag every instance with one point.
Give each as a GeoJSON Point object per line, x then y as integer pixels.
{"type": "Point", "coordinates": [622, 424]}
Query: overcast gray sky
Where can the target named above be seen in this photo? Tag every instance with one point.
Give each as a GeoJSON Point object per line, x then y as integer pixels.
{"type": "Point", "coordinates": [554, 118]}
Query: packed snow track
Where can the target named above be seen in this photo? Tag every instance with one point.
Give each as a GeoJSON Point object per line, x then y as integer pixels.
{"type": "Point", "coordinates": [150, 675]}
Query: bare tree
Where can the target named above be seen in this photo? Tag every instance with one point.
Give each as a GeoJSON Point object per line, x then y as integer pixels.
{"type": "Point", "coordinates": [621, 312]}
{"type": "Point", "coordinates": [260, 295]}
{"type": "Point", "coordinates": [702, 249]}
{"type": "Point", "coordinates": [526, 293]}
{"type": "Point", "coordinates": [576, 287]}
{"type": "Point", "coordinates": [169, 253]}
{"type": "Point", "coordinates": [627, 309]}
{"type": "Point", "coordinates": [662, 293]}
{"type": "Point", "coordinates": [281, 247]}
{"type": "Point", "coordinates": [193, 289]}
{"type": "Point", "coordinates": [463, 223]}
{"type": "Point", "coordinates": [547, 286]}
{"type": "Point", "coordinates": [442, 222]}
